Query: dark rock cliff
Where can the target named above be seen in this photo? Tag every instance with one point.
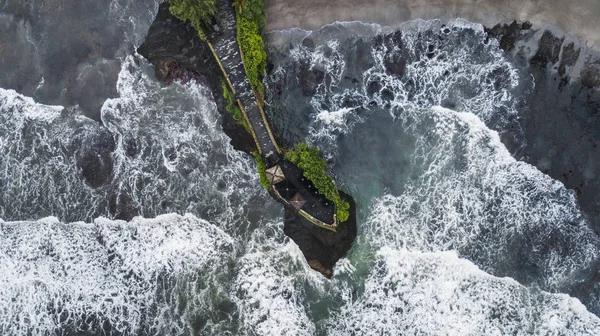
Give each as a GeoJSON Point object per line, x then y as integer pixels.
{"type": "Point", "coordinates": [177, 53]}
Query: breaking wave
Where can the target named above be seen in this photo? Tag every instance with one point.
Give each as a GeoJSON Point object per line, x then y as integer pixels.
{"type": "Point", "coordinates": [505, 215]}
{"type": "Point", "coordinates": [423, 64]}
{"type": "Point", "coordinates": [162, 150]}
{"type": "Point", "coordinates": [147, 275]}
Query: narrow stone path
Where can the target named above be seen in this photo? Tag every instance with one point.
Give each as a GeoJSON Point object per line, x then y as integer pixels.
{"type": "Point", "coordinates": [226, 48]}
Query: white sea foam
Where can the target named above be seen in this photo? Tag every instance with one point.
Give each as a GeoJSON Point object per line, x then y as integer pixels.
{"type": "Point", "coordinates": [415, 293]}
{"type": "Point", "coordinates": [133, 275]}
{"type": "Point", "coordinates": [23, 107]}
{"type": "Point", "coordinates": [463, 71]}
{"type": "Point", "coordinates": [182, 156]}
{"type": "Point", "coordinates": [37, 165]}
{"type": "Point", "coordinates": [269, 290]}
{"type": "Point", "coordinates": [459, 188]}
{"type": "Point", "coordinates": [179, 159]}
{"type": "Point", "coordinates": [174, 274]}
{"type": "Point", "coordinates": [453, 185]}
{"type": "Point", "coordinates": [135, 17]}
{"type": "Point", "coordinates": [468, 194]}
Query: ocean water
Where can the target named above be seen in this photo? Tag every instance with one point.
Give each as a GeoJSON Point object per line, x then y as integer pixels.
{"type": "Point", "coordinates": [455, 235]}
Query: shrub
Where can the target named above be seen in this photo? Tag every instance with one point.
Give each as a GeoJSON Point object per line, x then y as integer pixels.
{"type": "Point", "coordinates": [315, 169]}
{"type": "Point", "coordinates": [251, 22]}
{"type": "Point", "coordinates": [233, 108]}
{"type": "Point", "coordinates": [200, 13]}
{"type": "Point", "coordinates": [261, 167]}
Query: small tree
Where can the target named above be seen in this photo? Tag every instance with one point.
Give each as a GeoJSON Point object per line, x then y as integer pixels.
{"type": "Point", "coordinates": [240, 5]}
{"type": "Point", "coordinates": [199, 13]}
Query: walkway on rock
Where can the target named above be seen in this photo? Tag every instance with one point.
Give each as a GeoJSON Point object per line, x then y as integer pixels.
{"type": "Point", "coordinates": [227, 53]}
{"type": "Point", "coordinates": [226, 49]}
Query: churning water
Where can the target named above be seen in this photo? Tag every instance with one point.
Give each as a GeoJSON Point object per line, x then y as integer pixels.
{"type": "Point", "coordinates": [455, 235]}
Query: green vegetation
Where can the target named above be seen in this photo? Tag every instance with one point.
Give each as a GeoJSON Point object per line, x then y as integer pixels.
{"type": "Point", "coordinates": [200, 13]}
{"type": "Point", "coordinates": [233, 108]}
{"type": "Point", "coordinates": [251, 21]}
{"type": "Point", "coordinates": [310, 160]}
{"type": "Point", "coordinates": [261, 167]}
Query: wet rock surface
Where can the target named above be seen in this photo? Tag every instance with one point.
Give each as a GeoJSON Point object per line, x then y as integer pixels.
{"type": "Point", "coordinates": [310, 79]}
{"type": "Point", "coordinates": [508, 34]}
{"type": "Point", "coordinates": [560, 119]}
{"type": "Point", "coordinates": [94, 147]}
{"type": "Point", "coordinates": [321, 248]}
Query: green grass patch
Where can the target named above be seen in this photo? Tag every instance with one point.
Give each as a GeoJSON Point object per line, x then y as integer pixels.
{"type": "Point", "coordinates": [310, 161]}
{"type": "Point", "coordinates": [199, 13]}
{"type": "Point", "coordinates": [261, 167]}
{"type": "Point", "coordinates": [251, 21]}
{"type": "Point", "coordinates": [233, 108]}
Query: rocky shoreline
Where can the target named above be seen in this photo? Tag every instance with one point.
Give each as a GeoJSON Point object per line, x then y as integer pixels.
{"type": "Point", "coordinates": [177, 53]}
{"type": "Point", "coordinates": [559, 117]}
{"type": "Point", "coordinates": [561, 111]}
{"type": "Point", "coordinates": [576, 17]}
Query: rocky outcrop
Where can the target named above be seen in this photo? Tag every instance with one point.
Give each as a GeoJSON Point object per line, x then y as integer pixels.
{"type": "Point", "coordinates": [93, 147]}
{"type": "Point", "coordinates": [321, 248]}
{"type": "Point", "coordinates": [177, 53]}
{"type": "Point", "coordinates": [560, 117]}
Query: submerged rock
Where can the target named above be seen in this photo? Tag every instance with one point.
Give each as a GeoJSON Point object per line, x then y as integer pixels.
{"type": "Point", "coordinates": [310, 79]}
{"type": "Point", "coordinates": [121, 206]}
{"type": "Point", "coordinates": [395, 64]}
{"type": "Point", "coordinates": [94, 146]}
